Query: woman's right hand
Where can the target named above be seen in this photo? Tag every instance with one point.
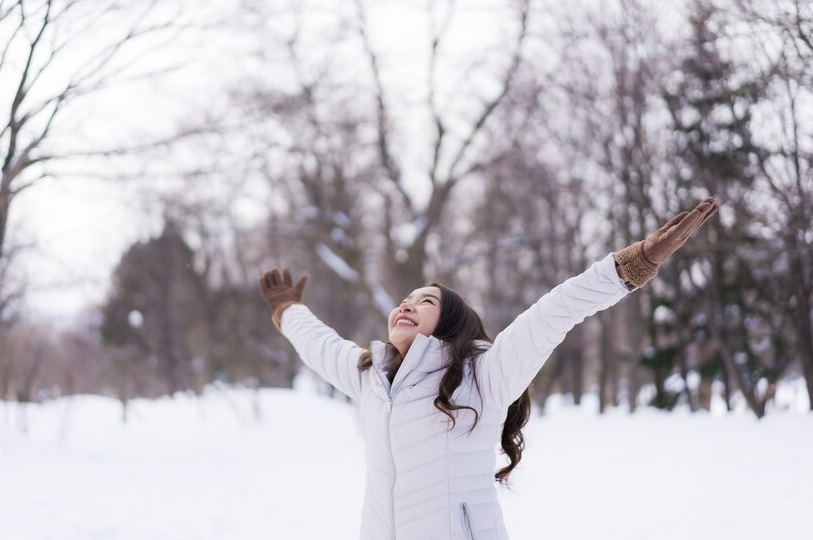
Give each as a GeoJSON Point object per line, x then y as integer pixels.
{"type": "Point", "coordinates": [279, 291]}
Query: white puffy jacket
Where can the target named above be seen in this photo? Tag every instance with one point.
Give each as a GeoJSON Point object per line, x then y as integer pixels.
{"type": "Point", "coordinates": [424, 480]}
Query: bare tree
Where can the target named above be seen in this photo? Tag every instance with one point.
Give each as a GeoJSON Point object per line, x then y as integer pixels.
{"type": "Point", "coordinates": [26, 353]}
{"type": "Point", "coordinates": [53, 54]}
{"type": "Point", "coordinates": [782, 33]}
{"type": "Point", "coordinates": [615, 58]}
{"type": "Point", "coordinates": [346, 176]}
{"type": "Point", "coordinates": [527, 233]}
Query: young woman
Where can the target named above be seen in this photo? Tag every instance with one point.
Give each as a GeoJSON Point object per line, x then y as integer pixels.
{"type": "Point", "coordinates": [439, 395]}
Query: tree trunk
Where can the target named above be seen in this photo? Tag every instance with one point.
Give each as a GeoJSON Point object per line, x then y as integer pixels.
{"type": "Point", "coordinates": [5, 203]}
{"type": "Point", "coordinates": [684, 342]}
{"type": "Point", "coordinates": [569, 364]}
{"type": "Point", "coordinates": [804, 324]}
{"type": "Point", "coordinates": [608, 364]}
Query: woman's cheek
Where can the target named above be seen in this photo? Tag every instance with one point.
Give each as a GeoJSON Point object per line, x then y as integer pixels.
{"type": "Point", "coordinates": [391, 317]}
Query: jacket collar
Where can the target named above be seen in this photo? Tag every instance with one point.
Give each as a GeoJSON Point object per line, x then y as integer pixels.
{"type": "Point", "coordinates": [425, 355]}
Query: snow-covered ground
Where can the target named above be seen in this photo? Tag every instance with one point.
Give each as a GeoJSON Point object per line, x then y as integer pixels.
{"type": "Point", "coordinates": [281, 464]}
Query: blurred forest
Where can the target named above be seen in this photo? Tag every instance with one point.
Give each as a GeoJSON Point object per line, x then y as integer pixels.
{"type": "Point", "coordinates": [497, 146]}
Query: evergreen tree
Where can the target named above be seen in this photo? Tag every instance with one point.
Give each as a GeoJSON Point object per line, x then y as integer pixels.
{"type": "Point", "coordinates": [157, 306]}
{"type": "Point", "coordinates": [712, 101]}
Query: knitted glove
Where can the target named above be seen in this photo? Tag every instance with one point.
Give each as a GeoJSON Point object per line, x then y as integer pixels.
{"type": "Point", "coordinates": [279, 292]}
{"type": "Point", "coordinates": [638, 263]}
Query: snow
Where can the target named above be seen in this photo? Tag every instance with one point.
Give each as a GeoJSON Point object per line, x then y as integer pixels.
{"type": "Point", "coordinates": [337, 264]}
{"type": "Point", "coordinates": [288, 464]}
{"type": "Point", "coordinates": [382, 300]}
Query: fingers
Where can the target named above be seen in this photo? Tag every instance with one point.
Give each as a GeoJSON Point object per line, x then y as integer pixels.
{"type": "Point", "coordinates": [706, 217]}
{"type": "Point", "coordinates": [300, 285]}
{"type": "Point", "coordinates": [682, 226]}
{"type": "Point", "coordinates": [691, 223]}
{"type": "Point", "coordinates": [711, 211]}
{"type": "Point", "coordinates": [674, 221]}
{"type": "Point", "coordinates": [269, 279]}
{"type": "Point", "coordinates": [707, 207]}
{"type": "Point", "coordinates": [701, 213]}
{"type": "Point", "coordinates": [274, 278]}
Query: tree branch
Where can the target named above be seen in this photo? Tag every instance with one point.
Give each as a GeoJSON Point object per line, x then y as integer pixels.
{"type": "Point", "coordinates": [13, 35]}
{"type": "Point", "coordinates": [20, 95]}
{"type": "Point", "coordinates": [440, 130]}
{"type": "Point", "coordinates": [492, 105]}
{"type": "Point", "coordinates": [387, 160]}
{"type": "Point", "coordinates": [800, 31]}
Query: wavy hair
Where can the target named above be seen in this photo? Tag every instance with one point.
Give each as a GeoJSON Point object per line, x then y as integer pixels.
{"type": "Point", "coordinates": [462, 330]}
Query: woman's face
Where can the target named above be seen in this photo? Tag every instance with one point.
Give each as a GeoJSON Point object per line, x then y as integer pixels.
{"type": "Point", "coordinates": [418, 313]}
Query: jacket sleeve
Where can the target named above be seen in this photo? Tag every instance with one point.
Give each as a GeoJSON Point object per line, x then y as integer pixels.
{"type": "Point", "coordinates": [332, 357]}
{"type": "Point", "coordinates": [520, 351]}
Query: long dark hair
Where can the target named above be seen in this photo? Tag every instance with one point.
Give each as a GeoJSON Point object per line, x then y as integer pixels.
{"type": "Point", "coordinates": [460, 328]}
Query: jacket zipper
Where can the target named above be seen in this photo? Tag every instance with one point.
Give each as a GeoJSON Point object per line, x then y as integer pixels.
{"type": "Point", "coordinates": [388, 407]}
{"type": "Point", "coordinates": [467, 522]}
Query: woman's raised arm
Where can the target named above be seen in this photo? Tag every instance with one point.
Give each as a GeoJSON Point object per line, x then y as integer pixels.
{"type": "Point", "coordinates": [332, 357]}
{"type": "Point", "coordinates": [520, 351]}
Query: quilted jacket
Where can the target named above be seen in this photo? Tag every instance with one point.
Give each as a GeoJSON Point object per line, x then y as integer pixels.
{"type": "Point", "coordinates": [426, 479]}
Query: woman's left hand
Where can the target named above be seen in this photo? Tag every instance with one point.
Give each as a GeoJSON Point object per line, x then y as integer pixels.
{"type": "Point", "coordinates": [638, 263]}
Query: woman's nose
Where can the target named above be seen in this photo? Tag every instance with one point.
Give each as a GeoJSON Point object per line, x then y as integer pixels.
{"type": "Point", "coordinates": [406, 307]}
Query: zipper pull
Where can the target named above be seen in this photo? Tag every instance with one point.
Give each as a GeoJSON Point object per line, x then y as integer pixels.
{"type": "Point", "coordinates": [389, 405]}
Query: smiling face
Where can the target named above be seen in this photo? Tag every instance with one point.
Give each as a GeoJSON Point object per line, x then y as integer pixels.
{"type": "Point", "coordinates": [418, 313]}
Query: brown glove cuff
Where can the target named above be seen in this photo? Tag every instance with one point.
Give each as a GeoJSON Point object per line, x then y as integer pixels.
{"type": "Point", "coordinates": [634, 265]}
{"type": "Point", "coordinates": [277, 316]}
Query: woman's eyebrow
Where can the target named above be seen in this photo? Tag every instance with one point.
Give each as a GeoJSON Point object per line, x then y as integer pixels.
{"type": "Point", "coordinates": [424, 295]}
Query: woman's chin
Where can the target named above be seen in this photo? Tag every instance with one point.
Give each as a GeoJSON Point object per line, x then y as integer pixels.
{"type": "Point", "coordinates": [402, 336]}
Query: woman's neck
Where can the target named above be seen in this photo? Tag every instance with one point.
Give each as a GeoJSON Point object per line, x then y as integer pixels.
{"type": "Point", "coordinates": [395, 363]}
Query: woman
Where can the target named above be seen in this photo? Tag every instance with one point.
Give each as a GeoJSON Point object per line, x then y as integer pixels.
{"type": "Point", "coordinates": [439, 395]}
